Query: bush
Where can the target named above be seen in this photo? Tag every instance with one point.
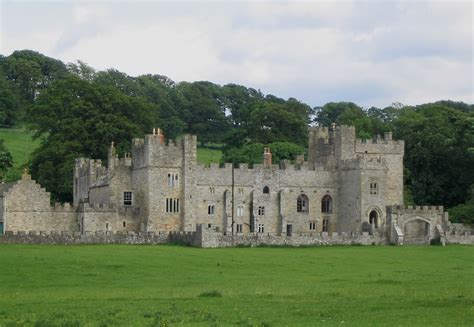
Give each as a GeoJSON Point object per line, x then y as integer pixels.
{"type": "Point", "coordinates": [463, 213]}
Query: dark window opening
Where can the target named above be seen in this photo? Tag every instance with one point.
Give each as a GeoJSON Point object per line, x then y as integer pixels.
{"type": "Point", "coordinates": [326, 204]}
{"type": "Point", "coordinates": [302, 204]}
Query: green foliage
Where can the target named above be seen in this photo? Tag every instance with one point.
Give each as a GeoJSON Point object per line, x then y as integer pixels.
{"type": "Point", "coordinates": [97, 285]}
{"type": "Point", "coordinates": [437, 139]}
{"type": "Point", "coordinates": [6, 160]}
{"type": "Point", "coordinates": [20, 144]}
{"type": "Point", "coordinates": [253, 153]}
{"type": "Point", "coordinates": [78, 118]}
{"type": "Point", "coordinates": [463, 213]}
{"type": "Point", "coordinates": [9, 103]}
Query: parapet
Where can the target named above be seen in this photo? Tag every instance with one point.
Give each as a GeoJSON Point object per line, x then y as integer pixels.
{"type": "Point", "coordinates": [415, 209]}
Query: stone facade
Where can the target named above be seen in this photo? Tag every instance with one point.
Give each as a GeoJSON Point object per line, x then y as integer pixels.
{"type": "Point", "coordinates": [350, 191]}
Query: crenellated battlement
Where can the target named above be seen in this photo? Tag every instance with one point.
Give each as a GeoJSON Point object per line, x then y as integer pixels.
{"type": "Point", "coordinates": [415, 209]}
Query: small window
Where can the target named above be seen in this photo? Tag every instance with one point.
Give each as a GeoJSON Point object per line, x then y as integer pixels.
{"type": "Point", "coordinates": [302, 204]}
{"type": "Point", "coordinates": [172, 179]}
{"type": "Point", "coordinates": [312, 225]}
{"type": "Point", "coordinates": [261, 211]}
{"type": "Point", "coordinates": [124, 224]}
{"type": "Point", "coordinates": [240, 211]}
{"type": "Point", "coordinates": [325, 225]}
{"type": "Point", "coordinates": [127, 198]}
{"type": "Point", "coordinates": [326, 204]}
{"type": "Point", "coordinates": [239, 228]}
{"type": "Point", "coordinates": [266, 190]}
{"type": "Point", "coordinates": [172, 205]}
{"type": "Point", "coordinates": [241, 190]}
{"type": "Point", "coordinates": [373, 188]}
{"type": "Point", "coordinates": [210, 210]}
{"type": "Point", "coordinates": [261, 228]}
{"type": "Point", "coordinates": [212, 190]}
{"type": "Point", "coordinates": [106, 226]}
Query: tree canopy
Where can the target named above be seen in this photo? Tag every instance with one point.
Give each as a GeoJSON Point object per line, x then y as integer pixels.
{"type": "Point", "coordinates": [77, 111]}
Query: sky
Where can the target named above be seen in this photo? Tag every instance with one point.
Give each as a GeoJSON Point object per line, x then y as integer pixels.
{"type": "Point", "coordinates": [373, 53]}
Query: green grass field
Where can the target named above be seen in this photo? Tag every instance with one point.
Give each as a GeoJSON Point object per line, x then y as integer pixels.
{"type": "Point", "coordinates": [120, 285]}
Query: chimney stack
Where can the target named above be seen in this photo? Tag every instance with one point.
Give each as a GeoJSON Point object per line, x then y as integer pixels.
{"type": "Point", "coordinates": [267, 158]}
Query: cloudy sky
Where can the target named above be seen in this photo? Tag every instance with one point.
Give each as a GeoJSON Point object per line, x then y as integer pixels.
{"type": "Point", "coordinates": [373, 53]}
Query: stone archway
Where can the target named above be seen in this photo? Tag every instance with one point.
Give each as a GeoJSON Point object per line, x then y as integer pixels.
{"type": "Point", "coordinates": [416, 231]}
{"type": "Point", "coordinates": [374, 219]}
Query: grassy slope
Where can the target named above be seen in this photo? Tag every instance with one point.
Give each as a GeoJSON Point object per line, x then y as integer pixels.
{"type": "Point", "coordinates": [161, 286]}
{"type": "Point", "coordinates": [19, 142]}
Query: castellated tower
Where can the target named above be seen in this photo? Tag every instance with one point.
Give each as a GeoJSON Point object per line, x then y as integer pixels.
{"type": "Point", "coordinates": [162, 178]}
{"type": "Point", "coordinates": [369, 175]}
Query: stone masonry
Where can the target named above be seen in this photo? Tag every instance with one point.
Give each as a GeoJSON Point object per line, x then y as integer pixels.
{"type": "Point", "coordinates": [350, 191]}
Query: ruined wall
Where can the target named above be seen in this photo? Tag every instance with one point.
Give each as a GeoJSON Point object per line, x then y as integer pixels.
{"type": "Point", "coordinates": [27, 208]}
{"type": "Point", "coordinates": [418, 224]}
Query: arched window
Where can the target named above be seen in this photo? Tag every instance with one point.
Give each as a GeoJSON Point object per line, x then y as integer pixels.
{"type": "Point", "coordinates": [326, 204]}
{"type": "Point", "coordinates": [266, 190]}
{"type": "Point", "coordinates": [373, 218]}
{"type": "Point", "coordinates": [302, 204]}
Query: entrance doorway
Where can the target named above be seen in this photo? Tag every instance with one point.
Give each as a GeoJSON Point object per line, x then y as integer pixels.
{"type": "Point", "coordinates": [374, 219]}
{"type": "Point", "coordinates": [289, 230]}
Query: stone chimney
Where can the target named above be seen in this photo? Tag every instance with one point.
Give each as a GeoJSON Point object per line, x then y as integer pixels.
{"type": "Point", "coordinates": [159, 134]}
{"type": "Point", "coordinates": [267, 158]}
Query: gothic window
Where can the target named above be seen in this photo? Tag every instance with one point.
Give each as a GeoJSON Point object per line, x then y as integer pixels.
{"type": "Point", "coordinates": [241, 190]}
{"type": "Point", "coordinates": [266, 190]}
{"type": "Point", "coordinates": [212, 190]}
{"type": "Point", "coordinates": [210, 210]}
{"type": "Point", "coordinates": [325, 225]}
{"type": "Point", "coordinates": [127, 198]}
{"type": "Point", "coordinates": [172, 179]}
{"type": "Point", "coordinates": [172, 205]}
{"type": "Point", "coordinates": [326, 204]}
{"type": "Point", "coordinates": [240, 211]}
{"type": "Point", "coordinates": [261, 211]}
{"type": "Point", "coordinates": [312, 225]}
{"type": "Point", "coordinates": [261, 228]}
{"type": "Point", "coordinates": [239, 228]}
{"type": "Point", "coordinates": [302, 204]}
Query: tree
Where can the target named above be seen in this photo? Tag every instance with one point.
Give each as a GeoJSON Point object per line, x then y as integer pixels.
{"type": "Point", "coordinates": [6, 160]}
{"type": "Point", "coordinates": [437, 142]}
{"type": "Point", "coordinates": [77, 118]}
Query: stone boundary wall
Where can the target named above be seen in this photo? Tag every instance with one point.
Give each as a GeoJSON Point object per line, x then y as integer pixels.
{"type": "Point", "coordinates": [209, 238]}
{"type": "Point", "coordinates": [74, 238]}
{"type": "Point", "coordinates": [459, 234]}
{"type": "Point", "coordinates": [206, 237]}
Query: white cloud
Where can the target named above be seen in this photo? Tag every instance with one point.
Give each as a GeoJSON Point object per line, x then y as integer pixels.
{"type": "Point", "coordinates": [368, 52]}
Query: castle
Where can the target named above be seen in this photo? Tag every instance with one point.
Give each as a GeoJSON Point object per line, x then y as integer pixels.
{"type": "Point", "coordinates": [348, 186]}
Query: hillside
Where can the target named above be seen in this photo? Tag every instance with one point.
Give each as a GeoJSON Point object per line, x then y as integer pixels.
{"type": "Point", "coordinates": [20, 143]}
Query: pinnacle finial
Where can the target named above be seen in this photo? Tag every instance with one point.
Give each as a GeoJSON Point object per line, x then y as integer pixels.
{"type": "Point", "coordinates": [26, 174]}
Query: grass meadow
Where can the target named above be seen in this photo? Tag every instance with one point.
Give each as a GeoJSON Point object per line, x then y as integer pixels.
{"type": "Point", "coordinates": [124, 285]}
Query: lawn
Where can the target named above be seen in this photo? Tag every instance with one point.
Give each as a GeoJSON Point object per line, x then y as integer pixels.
{"type": "Point", "coordinates": [120, 285]}
{"type": "Point", "coordinates": [208, 155]}
{"type": "Point", "coordinates": [20, 144]}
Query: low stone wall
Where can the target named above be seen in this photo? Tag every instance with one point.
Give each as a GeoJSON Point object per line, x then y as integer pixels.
{"type": "Point", "coordinates": [72, 238]}
{"type": "Point", "coordinates": [459, 234]}
{"type": "Point", "coordinates": [209, 238]}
